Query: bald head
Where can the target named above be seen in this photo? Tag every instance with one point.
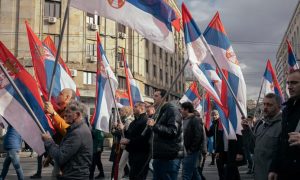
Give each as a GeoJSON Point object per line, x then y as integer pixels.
{"type": "Point", "coordinates": [65, 96]}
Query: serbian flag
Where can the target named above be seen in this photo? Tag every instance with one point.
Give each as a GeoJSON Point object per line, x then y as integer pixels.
{"type": "Point", "coordinates": [134, 92]}
{"type": "Point", "coordinates": [192, 95]}
{"type": "Point", "coordinates": [196, 52]}
{"type": "Point", "coordinates": [106, 86]}
{"type": "Point", "coordinates": [48, 42]}
{"type": "Point", "coordinates": [207, 110]}
{"type": "Point", "coordinates": [270, 81]}
{"type": "Point", "coordinates": [122, 97]}
{"type": "Point", "coordinates": [150, 18]}
{"type": "Point", "coordinates": [291, 58]}
{"type": "Point", "coordinates": [220, 45]}
{"type": "Point", "coordinates": [43, 61]}
{"type": "Point", "coordinates": [12, 107]}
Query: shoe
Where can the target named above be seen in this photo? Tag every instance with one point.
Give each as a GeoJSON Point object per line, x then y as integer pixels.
{"type": "Point", "coordinates": [249, 171]}
{"type": "Point", "coordinates": [36, 176]}
{"type": "Point", "coordinates": [100, 176]}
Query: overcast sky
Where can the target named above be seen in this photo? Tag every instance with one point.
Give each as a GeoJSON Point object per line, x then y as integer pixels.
{"type": "Point", "coordinates": [255, 28]}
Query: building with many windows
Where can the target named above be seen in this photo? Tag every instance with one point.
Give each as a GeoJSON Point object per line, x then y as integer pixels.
{"type": "Point", "coordinates": [151, 66]}
{"type": "Point", "coordinates": [293, 35]}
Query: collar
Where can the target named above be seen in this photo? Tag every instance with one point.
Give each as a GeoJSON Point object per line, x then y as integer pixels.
{"type": "Point", "coordinates": [274, 119]}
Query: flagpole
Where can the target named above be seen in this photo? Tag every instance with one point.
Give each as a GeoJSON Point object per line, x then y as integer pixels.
{"type": "Point", "coordinates": [223, 76]}
{"type": "Point", "coordinates": [23, 99]}
{"type": "Point", "coordinates": [58, 48]}
{"type": "Point", "coordinates": [167, 94]}
{"type": "Point", "coordinates": [256, 107]}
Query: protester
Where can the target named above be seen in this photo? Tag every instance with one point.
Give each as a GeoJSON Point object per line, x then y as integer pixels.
{"type": "Point", "coordinates": [248, 145]}
{"type": "Point", "coordinates": [193, 141]}
{"type": "Point", "coordinates": [74, 154]}
{"type": "Point", "coordinates": [12, 145]}
{"type": "Point", "coordinates": [286, 162]}
{"type": "Point", "coordinates": [137, 144]}
{"type": "Point", "coordinates": [266, 134]}
{"type": "Point", "coordinates": [98, 138]}
{"type": "Point", "coordinates": [150, 109]}
{"type": "Point", "coordinates": [167, 139]}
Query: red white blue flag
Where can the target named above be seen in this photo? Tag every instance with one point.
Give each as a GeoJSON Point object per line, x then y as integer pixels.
{"type": "Point", "coordinates": [270, 81]}
{"type": "Point", "coordinates": [12, 107]}
{"type": "Point", "coordinates": [150, 18]}
{"type": "Point", "coordinates": [43, 61]}
{"type": "Point", "coordinates": [122, 97]}
{"type": "Point", "coordinates": [192, 95]}
{"type": "Point", "coordinates": [293, 65]}
{"type": "Point", "coordinates": [106, 86]}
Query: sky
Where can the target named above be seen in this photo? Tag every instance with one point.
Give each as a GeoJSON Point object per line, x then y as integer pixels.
{"type": "Point", "coordinates": [254, 27]}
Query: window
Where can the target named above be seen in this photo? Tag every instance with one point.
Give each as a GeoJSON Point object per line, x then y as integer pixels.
{"type": "Point", "coordinates": [175, 66]}
{"type": "Point", "coordinates": [147, 90]}
{"type": "Point", "coordinates": [167, 78]}
{"type": "Point", "coordinates": [161, 74]}
{"type": "Point", "coordinates": [147, 43]}
{"type": "Point", "coordinates": [92, 19]}
{"type": "Point", "coordinates": [171, 63]}
{"type": "Point", "coordinates": [160, 52]}
{"type": "Point", "coordinates": [154, 49]}
{"type": "Point", "coordinates": [52, 9]}
{"type": "Point", "coordinates": [56, 40]}
{"type": "Point", "coordinates": [166, 60]}
{"type": "Point", "coordinates": [154, 70]}
{"type": "Point", "coordinates": [89, 78]}
{"type": "Point", "coordinates": [121, 28]}
{"type": "Point", "coordinates": [91, 49]}
{"type": "Point", "coordinates": [147, 66]}
{"type": "Point", "coordinates": [122, 82]}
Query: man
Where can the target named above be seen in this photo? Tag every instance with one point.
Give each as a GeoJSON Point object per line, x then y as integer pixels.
{"type": "Point", "coordinates": [193, 140]}
{"type": "Point", "coordinates": [286, 163]}
{"type": "Point", "coordinates": [266, 133]}
{"type": "Point", "coordinates": [12, 145]}
{"type": "Point", "coordinates": [216, 131]}
{"type": "Point", "coordinates": [74, 154]}
{"type": "Point", "coordinates": [150, 111]}
{"type": "Point", "coordinates": [167, 139]}
{"type": "Point", "coordinates": [137, 144]}
{"type": "Point", "coordinates": [62, 100]}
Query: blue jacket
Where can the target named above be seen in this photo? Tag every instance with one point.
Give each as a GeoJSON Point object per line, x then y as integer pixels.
{"type": "Point", "coordinates": [12, 139]}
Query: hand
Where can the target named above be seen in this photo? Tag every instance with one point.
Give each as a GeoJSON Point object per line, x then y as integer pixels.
{"type": "Point", "coordinates": [294, 139]}
{"type": "Point", "coordinates": [150, 122]}
{"type": "Point", "coordinates": [47, 161]}
{"type": "Point", "coordinates": [46, 136]}
{"type": "Point", "coordinates": [124, 141]}
{"type": "Point", "coordinates": [239, 157]}
{"type": "Point", "coordinates": [247, 122]}
{"type": "Point", "coordinates": [48, 108]}
{"type": "Point", "coordinates": [217, 156]}
{"type": "Point", "coordinates": [272, 176]}
{"type": "Point", "coordinates": [120, 126]}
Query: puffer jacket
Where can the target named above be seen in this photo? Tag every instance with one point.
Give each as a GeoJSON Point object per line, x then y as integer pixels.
{"type": "Point", "coordinates": [193, 135]}
{"type": "Point", "coordinates": [167, 134]}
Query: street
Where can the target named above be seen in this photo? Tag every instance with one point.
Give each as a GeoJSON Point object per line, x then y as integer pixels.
{"type": "Point", "coordinates": [29, 165]}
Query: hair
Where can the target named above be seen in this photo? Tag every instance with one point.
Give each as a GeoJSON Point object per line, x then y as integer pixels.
{"type": "Point", "coordinates": [140, 103]}
{"type": "Point", "coordinates": [274, 96]}
{"type": "Point", "coordinates": [127, 110]}
{"type": "Point", "coordinates": [77, 106]}
{"type": "Point", "coordinates": [163, 93]}
{"type": "Point", "coordinates": [188, 106]}
{"type": "Point", "coordinates": [73, 93]}
{"type": "Point", "coordinates": [294, 71]}
{"type": "Point", "coordinates": [214, 111]}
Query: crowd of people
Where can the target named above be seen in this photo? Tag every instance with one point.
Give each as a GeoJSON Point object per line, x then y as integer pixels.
{"type": "Point", "coordinates": [167, 136]}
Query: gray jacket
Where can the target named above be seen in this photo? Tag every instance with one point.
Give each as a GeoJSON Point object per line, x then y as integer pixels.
{"type": "Point", "coordinates": [74, 154]}
{"type": "Point", "coordinates": [266, 134]}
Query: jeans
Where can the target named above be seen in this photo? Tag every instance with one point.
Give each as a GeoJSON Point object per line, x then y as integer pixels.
{"type": "Point", "coordinates": [14, 158]}
{"type": "Point", "coordinates": [189, 166]}
{"type": "Point", "coordinates": [165, 169]}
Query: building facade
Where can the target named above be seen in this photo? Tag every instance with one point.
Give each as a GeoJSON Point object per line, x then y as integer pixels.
{"type": "Point", "coordinates": [293, 35]}
{"type": "Point", "coordinates": [151, 66]}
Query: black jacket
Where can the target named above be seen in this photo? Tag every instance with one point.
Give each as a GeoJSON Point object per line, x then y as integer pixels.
{"type": "Point", "coordinates": [168, 136]}
{"type": "Point", "coordinates": [288, 158]}
{"type": "Point", "coordinates": [138, 143]}
{"type": "Point", "coordinates": [193, 135]}
{"type": "Point", "coordinates": [74, 154]}
{"type": "Point", "coordinates": [217, 135]}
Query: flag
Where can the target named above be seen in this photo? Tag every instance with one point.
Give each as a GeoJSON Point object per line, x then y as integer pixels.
{"type": "Point", "coordinates": [48, 42]}
{"type": "Point", "coordinates": [196, 52]}
{"type": "Point", "coordinates": [192, 95]}
{"type": "Point", "coordinates": [12, 107]}
{"type": "Point", "coordinates": [220, 45]}
{"type": "Point", "coordinates": [150, 18]}
{"type": "Point", "coordinates": [122, 97]}
{"type": "Point", "coordinates": [43, 61]}
{"type": "Point", "coordinates": [291, 58]}
{"type": "Point", "coordinates": [134, 92]}
{"type": "Point", "coordinates": [270, 81]}
{"type": "Point", "coordinates": [106, 86]}
{"type": "Point", "coordinates": [207, 111]}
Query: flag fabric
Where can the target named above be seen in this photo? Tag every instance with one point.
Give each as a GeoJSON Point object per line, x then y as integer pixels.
{"type": "Point", "coordinates": [43, 61]}
{"type": "Point", "coordinates": [134, 92]}
{"type": "Point", "coordinates": [196, 52]}
{"type": "Point", "coordinates": [220, 45]}
{"type": "Point", "coordinates": [192, 95]}
{"type": "Point", "coordinates": [106, 87]}
{"type": "Point", "coordinates": [270, 81]}
{"type": "Point", "coordinates": [48, 42]}
{"type": "Point", "coordinates": [122, 97]}
{"type": "Point", "coordinates": [150, 18]}
{"type": "Point", "coordinates": [291, 58]}
{"type": "Point", "coordinates": [207, 111]}
{"type": "Point", "coordinates": [13, 109]}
